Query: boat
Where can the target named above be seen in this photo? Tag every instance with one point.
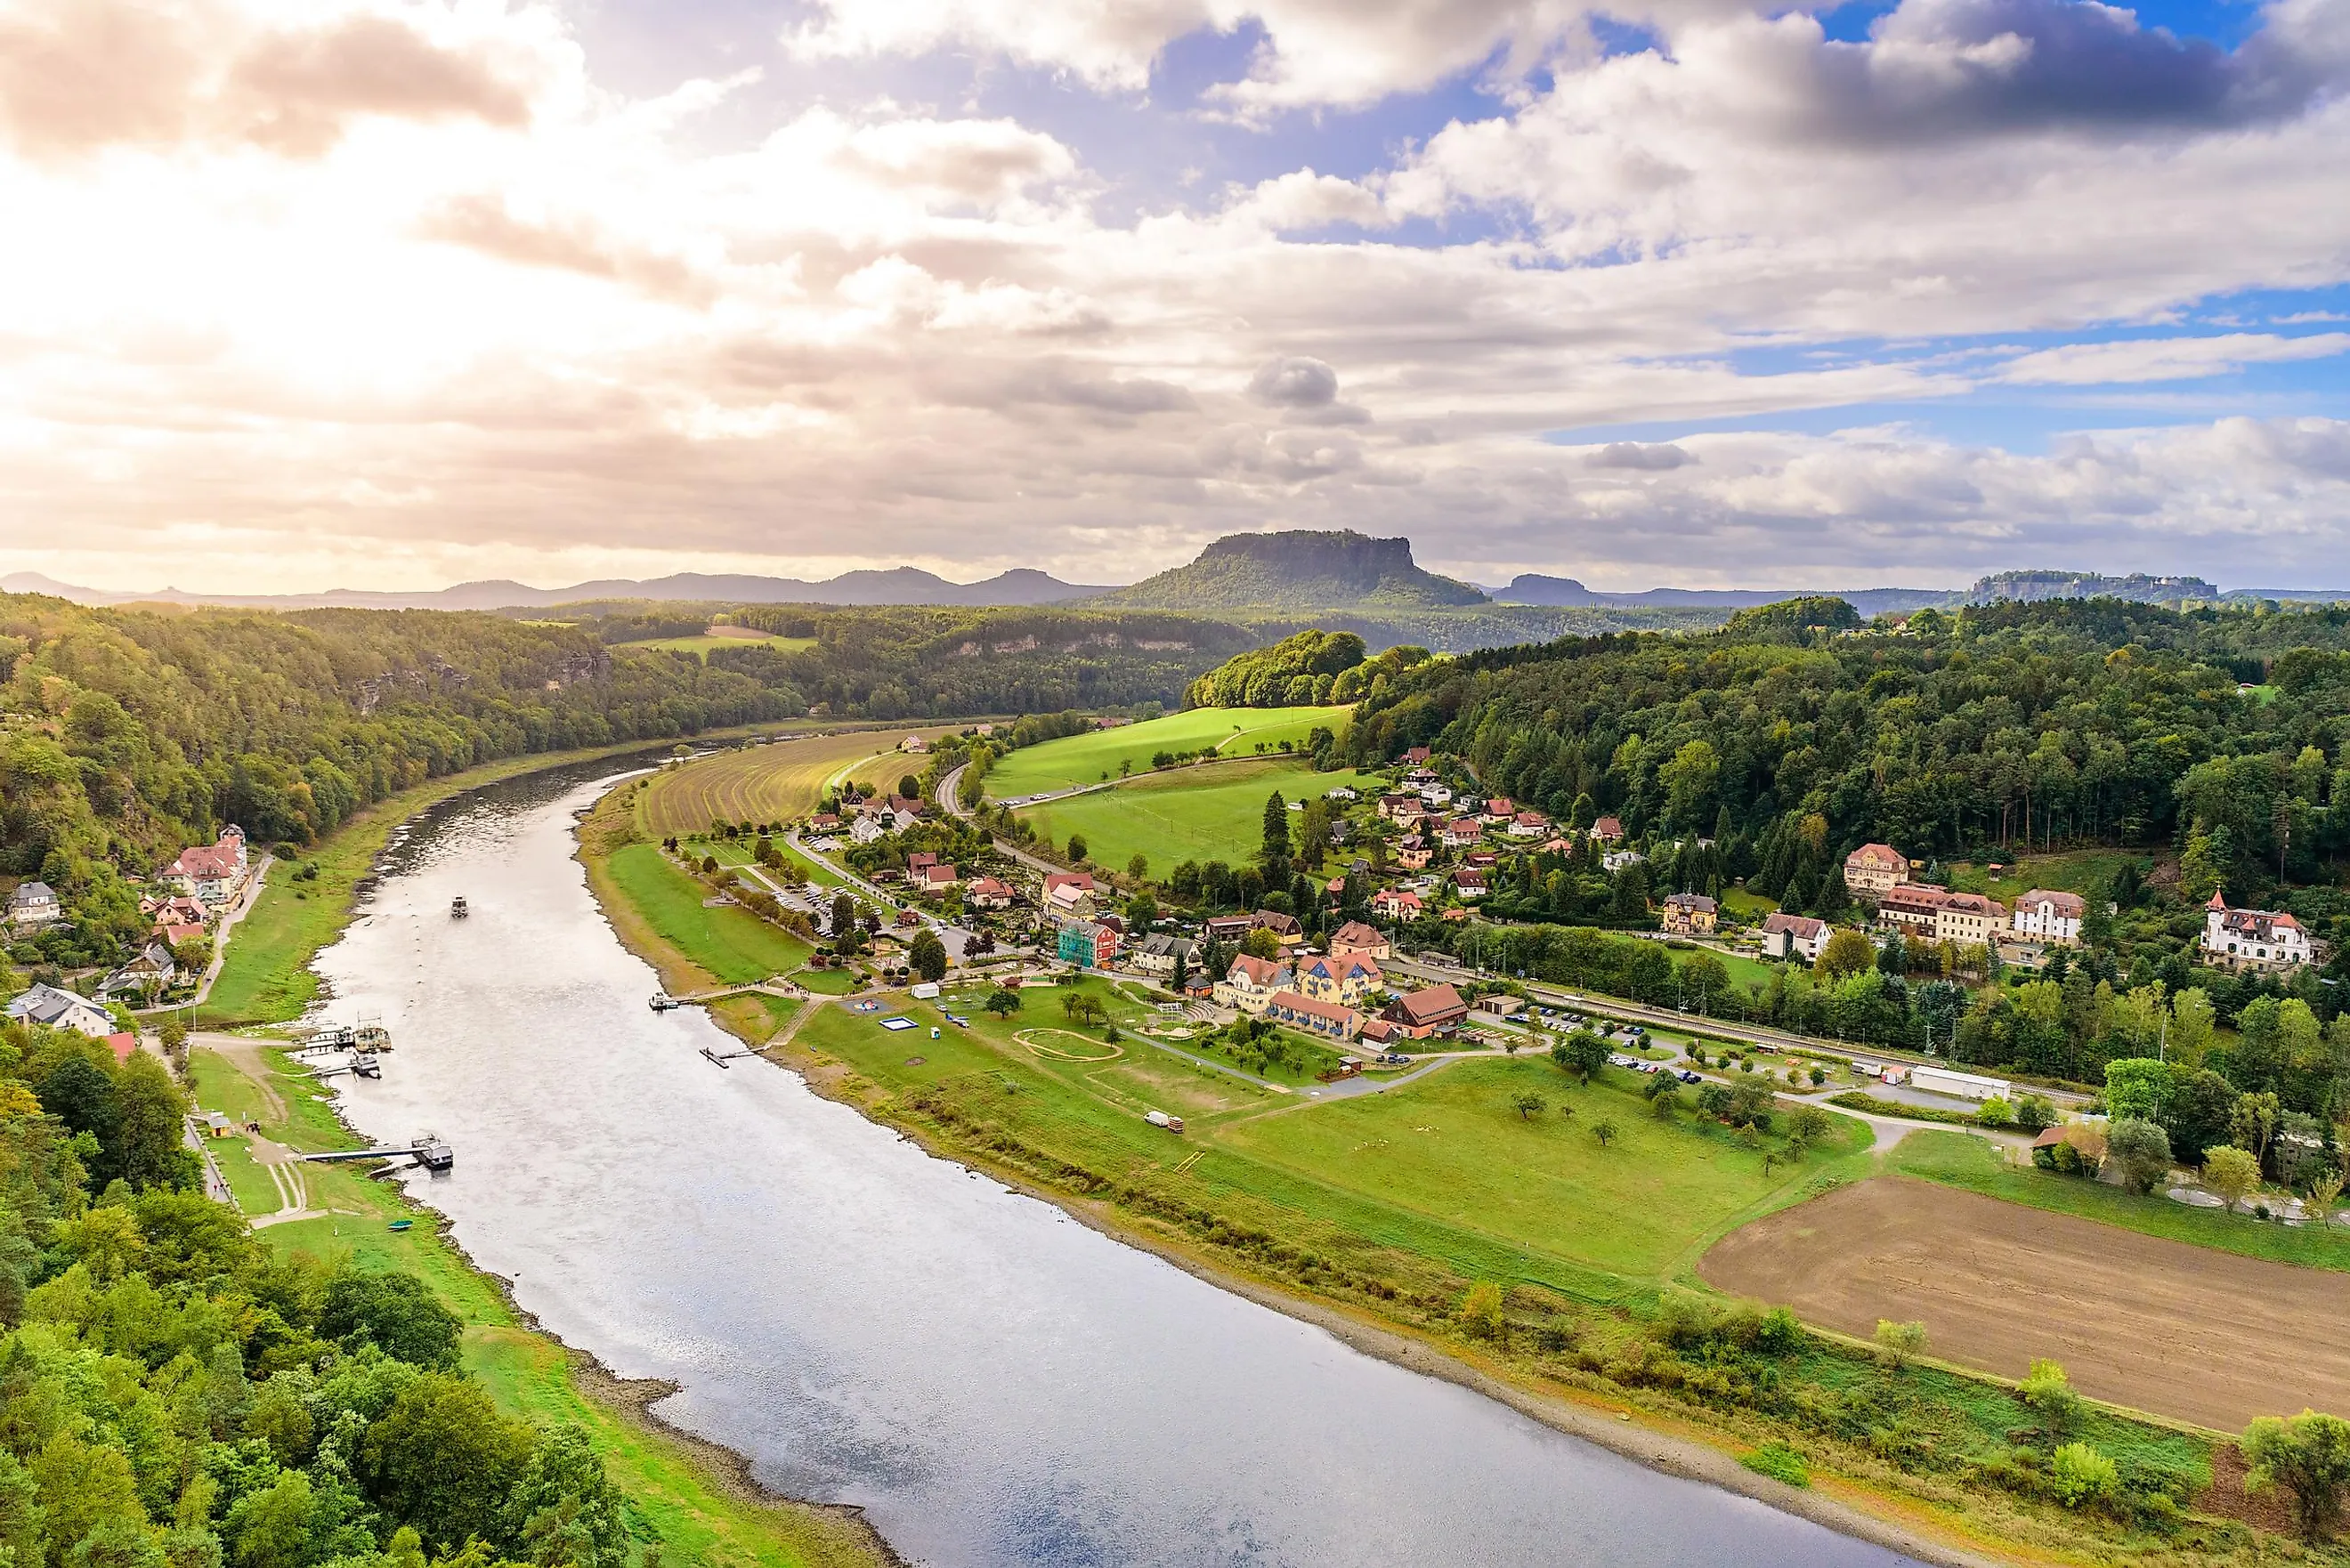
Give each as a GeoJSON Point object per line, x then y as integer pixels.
{"type": "Point", "coordinates": [434, 1153]}
{"type": "Point", "coordinates": [457, 910]}
{"type": "Point", "coordinates": [663, 1002]}
{"type": "Point", "coordinates": [365, 1065]}
{"type": "Point", "coordinates": [401, 1224]}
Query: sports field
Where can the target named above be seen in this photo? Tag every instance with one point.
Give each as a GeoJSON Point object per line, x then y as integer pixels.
{"type": "Point", "coordinates": [1091, 757]}
{"type": "Point", "coordinates": [2157, 1325]}
{"type": "Point", "coordinates": [701, 646]}
{"type": "Point", "coordinates": [771, 782]}
{"type": "Point", "coordinates": [1214, 813]}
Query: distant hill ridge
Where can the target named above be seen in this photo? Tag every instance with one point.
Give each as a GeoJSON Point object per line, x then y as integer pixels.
{"type": "Point", "coordinates": [1302, 569]}
{"type": "Point", "coordinates": [1534, 588]}
{"type": "Point", "coordinates": [2034, 586]}
{"type": "Point", "coordinates": [896, 585]}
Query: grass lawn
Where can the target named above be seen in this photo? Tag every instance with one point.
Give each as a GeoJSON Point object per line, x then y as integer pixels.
{"type": "Point", "coordinates": [734, 945]}
{"type": "Point", "coordinates": [1958, 1159]}
{"type": "Point", "coordinates": [1452, 1148]}
{"type": "Point", "coordinates": [1747, 906]}
{"type": "Point", "coordinates": [1089, 758]}
{"type": "Point", "coordinates": [525, 1372]}
{"type": "Point", "coordinates": [2075, 871]}
{"type": "Point", "coordinates": [1213, 813]}
{"type": "Point", "coordinates": [701, 646]}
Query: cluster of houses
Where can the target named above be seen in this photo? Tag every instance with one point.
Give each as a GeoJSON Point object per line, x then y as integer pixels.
{"type": "Point", "coordinates": [190, 895]}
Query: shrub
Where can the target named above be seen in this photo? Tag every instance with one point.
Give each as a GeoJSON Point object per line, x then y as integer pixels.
{"type": "Point", "coordinates": [1780, 1462]}
{"type": "Point", "coordinates": [2143, 1150]}
{"type": "Point", "coordinates": [2079, 1476]}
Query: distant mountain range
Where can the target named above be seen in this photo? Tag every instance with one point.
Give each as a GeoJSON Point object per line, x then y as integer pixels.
{"type": "Point", "coordinates": [1300, 570]}
{"type": "Point", "coordinates": [1534, 588]}
{"type": "Point", "coordinates": [897, 586]}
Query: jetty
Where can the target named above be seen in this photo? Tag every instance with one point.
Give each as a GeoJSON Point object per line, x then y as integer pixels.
{"type": "Point", "coordinates": [426, 1149]}
{"type": "Point", "coordinates": [773, 985]}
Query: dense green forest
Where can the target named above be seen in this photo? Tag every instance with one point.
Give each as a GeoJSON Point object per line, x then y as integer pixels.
{"type": "Point", "coordinates": [125, 734]}
{"type": "Point", "coordinates": [175, 1396]}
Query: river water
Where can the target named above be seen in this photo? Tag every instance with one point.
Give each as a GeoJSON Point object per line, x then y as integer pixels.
{"type": "Point", "coordinates": [994, 1383]}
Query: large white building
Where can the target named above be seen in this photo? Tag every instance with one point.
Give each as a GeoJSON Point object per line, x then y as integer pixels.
{"type": "Point", "coordinates": [2049, 917]}
{"type": "Point", "coordinates": [2253, 938]}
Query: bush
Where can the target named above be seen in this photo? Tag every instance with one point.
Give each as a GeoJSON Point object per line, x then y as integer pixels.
{"type": "Point", "coordinates": [2143, 1150]}
{"type": "Point", "coordinates": [2080, 1477]}
{"type": "Point", "coordinates": [1780, 1462]}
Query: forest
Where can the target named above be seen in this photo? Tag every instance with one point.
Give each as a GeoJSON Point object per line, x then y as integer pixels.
{"type": "Point", "coordinates": [172, 1394]}
{"type": "Point", "coordinates": [127, 734]}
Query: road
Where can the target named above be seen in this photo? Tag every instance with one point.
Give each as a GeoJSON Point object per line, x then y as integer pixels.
{"type": "Point", "coordinates": [254, 886]}
{"type": "Point", "coordinates": [1437, 968]}
{"type": "Point", "coordinates": [954, 938]}
{"type": "Point", "coordinates": [949, 787]}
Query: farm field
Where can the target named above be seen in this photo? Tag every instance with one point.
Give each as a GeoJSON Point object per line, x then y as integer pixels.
{"type": "Point", "coordinates": [769, 784]}
{"type": "Point", "coordinates": [2139, 1321]}
{"type": "Point", "coordinates": [1089, 758]}
{"type": "Point", "coordinates": [701, 646]}
{"type": "Point", "coordinates": [1956, 1159]}
{"type": "Point", "coordinates": [1213, 813]}
{"type": "Point", "coordinates": [1451, 1148]}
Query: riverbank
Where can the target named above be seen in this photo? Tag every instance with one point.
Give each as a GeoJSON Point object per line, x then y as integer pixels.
{"type": "Point", "coordinates": [700, 1500]}
{"type": "Point", "coordinates": [1282, 1257]}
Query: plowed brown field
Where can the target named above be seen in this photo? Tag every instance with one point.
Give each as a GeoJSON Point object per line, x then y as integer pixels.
{"type": "Point", "coordinates": [2159, 1325]}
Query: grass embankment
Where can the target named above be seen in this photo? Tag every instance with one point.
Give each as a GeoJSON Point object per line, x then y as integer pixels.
{"type": "Point", "coordinates": [695, 1496]}
{"type": "Point", "coordinates": [1956, 1159]}
{"type": "Point", "coordinates": [773, 782]}
{"type": "Point", "coordinates": [733, 945]}
{"type": "Point", "coordinates": [1189, 813]}
{"type": "Point", "coordinates": [1098, 753]}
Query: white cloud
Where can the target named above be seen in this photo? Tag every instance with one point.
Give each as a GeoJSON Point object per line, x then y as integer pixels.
{"type": "Point", "coordinates": [2165, 358]}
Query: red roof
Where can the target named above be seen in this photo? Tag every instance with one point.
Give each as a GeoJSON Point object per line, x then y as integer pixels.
{"type": "Point", "coordinates": [1257, 972]}
{"type": "Point", "coordinates": [1432, 1004]}
{"type": "Point", "coordinates": [1355, 934]}
{"type": "Point", "coordinates": [1295, 1001]}
{"type": "Point", "coordinates": [1607, 827]}
{"type": "Point", "coordinates": [124, 1045]}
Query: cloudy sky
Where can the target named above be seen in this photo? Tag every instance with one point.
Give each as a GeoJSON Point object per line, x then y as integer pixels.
{"type": "Point", "coordinates": [311, 293]}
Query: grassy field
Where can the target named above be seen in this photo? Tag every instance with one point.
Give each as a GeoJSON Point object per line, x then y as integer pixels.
{"type": "Point", "coordinates": [773, 782]}
{"type": "Point", "coordinates": [1097, 754]}
{"type": "Point", "coordinates": [702, 1518]}
{"type": "Point", "coordinates": [1956, 1159]}
{"type": "Point", "coordinates": [2075, 871]}
{"type": "Point", "coordinates": [703, 646]}
{"type": "Point", "coordinates": [1213, 813]}
{"type": "Point", "coordinates": [733, 944]}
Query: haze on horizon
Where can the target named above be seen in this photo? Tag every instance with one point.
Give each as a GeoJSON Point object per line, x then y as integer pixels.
{"type": "Point", "coordinates": [388, 294]}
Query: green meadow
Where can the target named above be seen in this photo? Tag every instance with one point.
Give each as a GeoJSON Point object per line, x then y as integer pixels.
{"type": "Point", "coordinates": [1214, 813]}
{"type": "Point", "coordinates": [1100, 753]}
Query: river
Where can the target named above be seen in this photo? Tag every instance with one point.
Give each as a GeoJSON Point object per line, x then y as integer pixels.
{"type": "Point", "coordinates": [993, 1382]}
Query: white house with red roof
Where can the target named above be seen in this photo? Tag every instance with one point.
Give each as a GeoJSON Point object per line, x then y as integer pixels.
{"type": "Point", "coordinates": [1252, 984]}
{"type": "Point", "coordinates": [1529, 824]}
{"type": "Point", "coordinates": [1794, 936]}
{"type": "Point", "coordinates": [210, 873]}
{"type": "Point", "coordinates": [1397, 904]}
{"type": "Point", "coordinates": [1874, 870]}
{"type": "Point", "coordinates": [2048, 916]}
{"type": "Point", "coordinates": [2253, 938]}
{"type": "Point", "coordinates": [987, 893]}
{"type": "Point", "coordinates": [1356, 940]}
{"type": "Point", "coordinates": [1066, 891]}
{"type": "Point", "coordinates": [1608, 830]}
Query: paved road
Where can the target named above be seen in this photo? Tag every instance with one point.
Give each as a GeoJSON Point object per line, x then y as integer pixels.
{"type": "Point", "coordinates": [949, 787]}
{"type": "Point", "coordinates": [954, 938]}
{"type": "Point", "coordinates": [228, 923]}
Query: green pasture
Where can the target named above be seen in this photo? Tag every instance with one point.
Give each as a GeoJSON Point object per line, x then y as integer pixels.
{"type": "Point", "coordinates": [1099, 753]}
{"type": "Point", "coordinates": [1214, 813]}
{"type": "Point", "coordinates": [705, 644]}
{"type": "Point", "coordinates": [733, 944]}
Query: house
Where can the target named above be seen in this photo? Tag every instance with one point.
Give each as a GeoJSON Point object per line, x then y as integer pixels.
{"type": "Point", "coordinates": [1088, 944]}
{"type": "Point", "coordinates": [914, 745]}
{"type": "Point", "coordinates": [1348, 982]}
{"type": "Point", "coordinates": [1376, 1031]}
{"type": "Point", "coordinates": [824, 822]}
{"type": "Point", "coordinates": [1459, 833]}
{"type": "Point", "coordinates": [919, 861]}
{"type": "Point", "coordinates": [1356, 940]}
{"type": "Point", "coordinates": [1608, 830]}
{"type": "Point", "coordinates": [1912, 909]}
{"type": "Point", "coordinates": [34, 904]}
{"type": "Point", "coordinates": [122, 1043]}
{"type": "Point", "coordinates": [55, 1009]}
{"type": "Point", "coordinates": [1416, 756]}
{"type": "Point", "coordinates": [1419, 778]}
{"type": "Point", "coordinates": [1529, 824]}
{"type": "Point", "coordinates": [1413, 852]}
{"type": "Point", "coordinates": [1469, 882]}
{"type": "Point", "coordinates": [1616, 859]}
{"type": "Point", "coordinates": [208, 872]}
{"type": "Point", "coordinates": [1418, 1014]}
{"type": "Point", "coordinates": [987, 893]}
{"type": "Point", "coordinates": [1498, 811]}
{"type": "Point", "coordinates": [1403, 808]}
{"type": "Point", "coordinates": [1252, 984]}
{"type": "Point", "coordinates": [2253, 938]}
{"type": "Point", "coordinates": [907, 806]}
{"type": "Point", "coordinates": [1331, 1020]}
{"type": "Point", "coordinates": [1969, 920]}
{"type": "Point", "coordinates": [936, 879]}
{"type": "Point", "coordinates": [2050, 917]}
{"type": "Point", "coordinates": [1284, 928]}
{"type": "Point", "coordinates": [1456, 915]}
{"type": "Point", "coordinates": [151, 970]}
{"type": "Point", "coordinates": [1395, 904]}
{"type": "Point", "coordinates": [1794, 936]}
{"type": "Point", "coordinates": [1500, 1004]}
{"type": "Point", "coordinates": [1066, 892]}
{"type": "Point", "coordinates": [171, 933]}
{"type": "Point", "coordinates": [1690, 914]}
{"type": "Point", "coordinates": [1874, 870]}
{"type": "Point", "coordinates": [1436, 794]}
{"type": "Point", "coordinates": [1158, 954]}
{"type": "Point", "coordinates": [1229, 928]}
{"type": "Point", "coordinates": [1343, 792]}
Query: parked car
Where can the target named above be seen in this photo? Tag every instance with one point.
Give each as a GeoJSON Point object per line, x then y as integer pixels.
{"type": "Point", "coordinates": [1688, 1078]}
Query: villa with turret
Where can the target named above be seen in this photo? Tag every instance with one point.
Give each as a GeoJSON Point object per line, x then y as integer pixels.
{"type": "Point", "coordinates": [2253, 938]}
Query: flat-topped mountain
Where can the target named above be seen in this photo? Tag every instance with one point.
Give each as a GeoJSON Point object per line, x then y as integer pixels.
{"type": "Point", "coordinates": [2137, 585]}
{"type": "Point", "coordinates": [1299, 570]}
